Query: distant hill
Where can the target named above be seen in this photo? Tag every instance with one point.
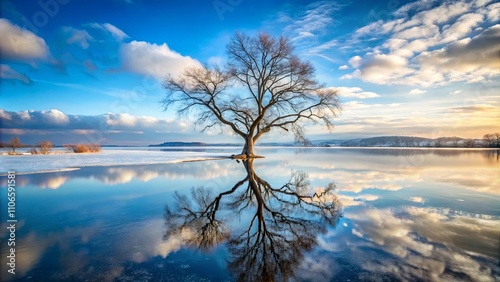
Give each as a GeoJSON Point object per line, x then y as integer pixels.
{"type": "Point", "coordinates": [180, 144]}
{"type": "Point", "coordinates": [379, 141]}
{"type": "Point", "coordinates": [388, 141]}
{"type": "Point", "coordinates": [409, 141]}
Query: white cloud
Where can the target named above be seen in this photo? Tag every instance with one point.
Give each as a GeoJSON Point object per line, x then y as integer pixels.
{"type": "Point", "coordinates": [467, 55]}
{"type": "Point", "coordinates": [22, 44]}
{"type": "Point", "coordinates": [413, 6]}
{"type": "Point", "coordinates": [419, 200]}
{"type": "Point", "coordinates": [455, 92]}
{"type": "Point", "coordinates": [121, 119]}
{"type": "Point", "coordinates": [324, 46]}
{"type": "Point", "coordinates": [367, 197]}
{"type": "Point", "coordinates": [355, 61]}
{"type": "Point", "coordinates": [418, 32]}
{"type": "Point", "coordinates": [6, 72]}
{"type": "Point", "coordinates": [343, 67]}
{"type": "Point", "coordinates": [354, 74]}
{"type": "Point", "coordinates": [155, 60]}
{"type": "Point", "coordinates": [492, 12]}
{"type": "Point", "coordinates": [5, 115]}
{"type": "Point", "coordinates": [383, 68]}
{"type": "Point", "coordinates": [55, 117]}
{"type": "Point", "coordinates": [417, 91]}
{"type": "Point", "coordinates": [316, 17]}
{"type": "Point", "coordinates": [463, 26]}
{"type": "Point", "coordinates": [117, 33]}
{"type": "Point", "coordinates": [37, 122]}
{"type": "Point", "coordinates": [77, 36]}
{"type": "Point", "coordinates": [354, 92]}
{"type": "Point", "coordinates": [430, 45]}
{"type": "Point", "coordinates": [394, 43]}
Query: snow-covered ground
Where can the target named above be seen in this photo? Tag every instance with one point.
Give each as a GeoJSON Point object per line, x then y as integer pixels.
{"type": "Point", "coordinates": [107, 157]}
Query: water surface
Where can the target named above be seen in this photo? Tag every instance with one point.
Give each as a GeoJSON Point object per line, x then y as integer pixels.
{"type": "Point", "coordinates": [319, 214]}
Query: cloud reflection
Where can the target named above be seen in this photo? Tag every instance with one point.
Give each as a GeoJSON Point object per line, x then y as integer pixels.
{"type": "Point", "coordinates": [421, 243]}
{"type": "Point", "coordinates": [113, 175]}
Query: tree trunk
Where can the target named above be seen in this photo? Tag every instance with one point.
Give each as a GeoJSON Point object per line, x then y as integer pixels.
{"type": "Point", "coordinates": [248, 148]}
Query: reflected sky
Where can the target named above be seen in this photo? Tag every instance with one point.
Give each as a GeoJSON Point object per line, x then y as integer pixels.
{"type": "Point", "coordinates": [428, 215]}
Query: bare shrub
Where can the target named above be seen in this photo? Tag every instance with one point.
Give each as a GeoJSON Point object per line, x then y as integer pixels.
{"type": "Point", "coordinates": [83, 148]}
{"type": "Point", "coordinates": [45, 147]}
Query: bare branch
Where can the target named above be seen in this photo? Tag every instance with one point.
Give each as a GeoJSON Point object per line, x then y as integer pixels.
{"type": "Point", "coordinates": [264, 86]}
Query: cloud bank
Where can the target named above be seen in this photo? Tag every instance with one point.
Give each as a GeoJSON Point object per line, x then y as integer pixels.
{"type": "Point", "coordinates": [53, 123]}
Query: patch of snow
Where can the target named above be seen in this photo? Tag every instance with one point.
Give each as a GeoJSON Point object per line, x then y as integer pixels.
{"type": "Point", "coordinates": [107, 157]}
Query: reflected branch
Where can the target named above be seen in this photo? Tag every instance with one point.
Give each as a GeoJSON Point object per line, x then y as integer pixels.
{"type": "Point", "coordinates": [283, 223]}
{"type": "Point", "coordinates": [198, 217]}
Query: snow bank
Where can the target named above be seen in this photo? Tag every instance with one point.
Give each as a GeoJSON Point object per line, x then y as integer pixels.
{"type": "Point", "coordinates": [107, 157]}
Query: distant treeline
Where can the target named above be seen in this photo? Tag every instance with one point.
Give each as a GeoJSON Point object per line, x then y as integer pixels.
{"type": "Point", "coordinates": [488, 141]}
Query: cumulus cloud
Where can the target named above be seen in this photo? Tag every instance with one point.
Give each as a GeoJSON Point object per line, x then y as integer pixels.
{"type": "Point", "coordinates": [155, 60]}
{"type": "Point", "coordinates": [432, 45]}
{"type": "Point", "coordinates": [381, 68]}
{"type": "Point", "coordinates": [355, 61]}
{"type": "Point", "coordinates": [354, 92]}
{"type": "Point", "coordinates": [6, 72]}
{"type": "Point", "coordinates": [21, 44]}
{"type": "Point", "coordinates": [47, 119]}
{"type": "Point", "coordinates": [54, 117]}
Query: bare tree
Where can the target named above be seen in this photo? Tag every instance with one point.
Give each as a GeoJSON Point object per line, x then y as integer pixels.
{"type": "Point", "coordinates": [264, 87]}
{"type": "Point", "coordinates": [14, 143]}
{"type": "Point", "coordinates": [45, 147]}
{"type": "Point", "coordinates": [489, 140]}
{"type": "Point", "coordinates": [497, 140]}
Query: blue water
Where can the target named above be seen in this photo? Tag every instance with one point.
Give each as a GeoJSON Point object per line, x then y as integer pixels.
{"type": "Point", "coordinates": [392, 214]}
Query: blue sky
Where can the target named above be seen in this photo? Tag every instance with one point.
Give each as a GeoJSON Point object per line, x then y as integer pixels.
{"type": "Point", "coordinates": [91, 71]}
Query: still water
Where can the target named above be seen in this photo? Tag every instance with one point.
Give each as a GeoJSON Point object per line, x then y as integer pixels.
{"type": "Point", "coordinates": [319, 214]}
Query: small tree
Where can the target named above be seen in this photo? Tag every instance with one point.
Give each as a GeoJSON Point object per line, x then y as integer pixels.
{"type": "Point", "coordinates": [489, 140]}
{"type": "Point", "coordinates": [264, 87]}
{"type": "Point", "coordinates": [45, 147]}
{"type": "Point", "coordinates": [497, 140]}
{"type": "Point", "coordinates": [14, 143]}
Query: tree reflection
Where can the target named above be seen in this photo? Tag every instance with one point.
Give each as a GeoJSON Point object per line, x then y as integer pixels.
{"type": "Point", "coordinates": [282, 223]}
